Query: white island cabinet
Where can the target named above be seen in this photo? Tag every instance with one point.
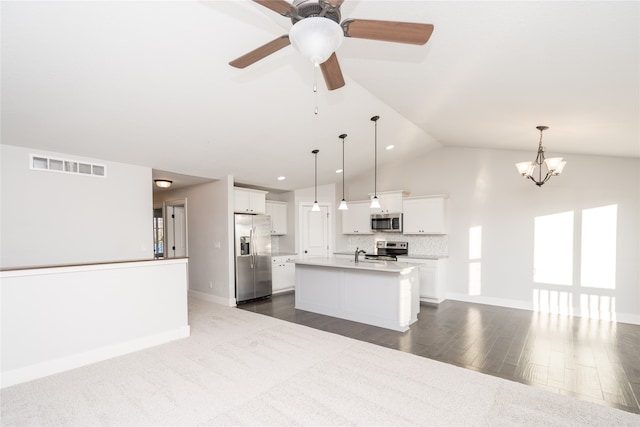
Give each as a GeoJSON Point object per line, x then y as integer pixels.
{"type": "Point", "coordinates": [384, 294]}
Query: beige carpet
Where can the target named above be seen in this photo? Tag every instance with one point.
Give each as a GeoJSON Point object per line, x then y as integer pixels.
{"type": "Point", "coordinates": [241, 368]}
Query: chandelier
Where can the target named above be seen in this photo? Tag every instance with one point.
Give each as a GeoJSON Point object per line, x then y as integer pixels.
{"type": "Point", "coordinates": [552, 166]}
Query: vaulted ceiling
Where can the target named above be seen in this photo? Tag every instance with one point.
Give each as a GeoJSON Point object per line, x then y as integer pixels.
{"type": "Point", "coordinates": [149, 83]}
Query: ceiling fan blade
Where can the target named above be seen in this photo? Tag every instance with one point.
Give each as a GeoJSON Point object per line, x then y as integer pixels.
{"type": "Point", "coordinates": [261, 52]}
{"type": "Point", "coordinates": [282, 7]}
{"type": "Point", "coordinates": [388, 31]}
{"type": "Point", "coordinates": [332, 73]}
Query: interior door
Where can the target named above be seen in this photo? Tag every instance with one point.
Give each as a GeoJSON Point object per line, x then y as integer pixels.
{"type": "Point", "coordinates": [179, 232]}
{"type": "Point", "coordinates": [176, 231]}
{"type": "Point", "coordinates": [315, 232]}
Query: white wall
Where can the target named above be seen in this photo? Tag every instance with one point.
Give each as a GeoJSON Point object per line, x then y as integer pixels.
{"type": "Point", "coordinates": [51, 218]}
{"type": "Point", "coordinates": [485, 190]}
{"type": "Point", "coordinates": [210, 238]}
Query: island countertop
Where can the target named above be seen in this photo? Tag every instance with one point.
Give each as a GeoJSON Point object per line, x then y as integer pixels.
{"type": "Point", "coordinates": [409, 256]}
{"type": "Point", "coordinates": [383, 266]}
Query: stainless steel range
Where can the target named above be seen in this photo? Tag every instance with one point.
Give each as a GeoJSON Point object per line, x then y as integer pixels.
{"type": "Point", "coordinates": [389, 251]}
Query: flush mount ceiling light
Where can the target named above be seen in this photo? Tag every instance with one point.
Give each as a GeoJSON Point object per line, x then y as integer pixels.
{"type": "Point", "coordinates": [163, 183]}
{"type": "Point", "coordinates": [375, 203]}
{"type": "Point", "coordinates": [316, 38]}
{"type": "Point", "coordinates": [316, 206]}
{"type": "Point", "coordinates": [343, 204]}
{"type": "Point", "coordinates": [553, 165]}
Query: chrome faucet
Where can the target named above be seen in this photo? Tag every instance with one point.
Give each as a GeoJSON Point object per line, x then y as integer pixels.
{"type": "Point", "coordinates": [358, 252]}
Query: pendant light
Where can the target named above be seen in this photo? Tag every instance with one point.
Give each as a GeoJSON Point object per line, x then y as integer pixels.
{"type": "Point", "coordinates": [343, 204]}
{"type": "Point", "coordinates": [375, 203]}
{"type": "Point", "coordinates": [316, 206]}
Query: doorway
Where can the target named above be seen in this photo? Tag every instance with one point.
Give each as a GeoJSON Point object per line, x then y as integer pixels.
{"type": "Point", "coordinates": [315, 231]}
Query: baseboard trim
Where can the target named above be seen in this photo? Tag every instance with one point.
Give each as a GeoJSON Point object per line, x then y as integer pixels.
{"type": "Point", "coordinates": [229, 302]}
{"type": "Point", "coordinates": [508, 303]}
{"type": "Point", "coordinates": [43, 369]}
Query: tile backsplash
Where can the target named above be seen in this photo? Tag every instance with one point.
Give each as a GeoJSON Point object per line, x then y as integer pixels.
{"type": "Point", "coordinates": [430, 245]}
{"type": "Point", "coordinates": [275, 244]}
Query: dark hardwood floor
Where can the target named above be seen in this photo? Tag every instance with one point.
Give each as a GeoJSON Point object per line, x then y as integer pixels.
{"type": "Point", "coordinates": [592, 360]}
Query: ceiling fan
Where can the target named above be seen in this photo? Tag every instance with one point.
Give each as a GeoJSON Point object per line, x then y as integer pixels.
{"type": "Point", "coordinates": [317, 33]}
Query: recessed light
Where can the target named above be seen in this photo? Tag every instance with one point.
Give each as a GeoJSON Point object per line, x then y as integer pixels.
{"type": "Point", "coordinates": [282, 178]}
{"type": "Point", "coordinates": [390, 147]}
{"type": "Point", "coordinates": [339, 171]}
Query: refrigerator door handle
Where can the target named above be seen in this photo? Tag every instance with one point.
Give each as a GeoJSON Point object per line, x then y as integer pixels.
{"type": "Point", "coordinates": [251, 245]}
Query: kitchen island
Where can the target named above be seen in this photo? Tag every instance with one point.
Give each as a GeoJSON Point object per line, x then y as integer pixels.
{"type": "Point", "coordinates": [379, 293]}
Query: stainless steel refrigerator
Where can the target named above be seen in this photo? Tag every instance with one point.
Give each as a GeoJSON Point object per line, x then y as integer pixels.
{"type": "Point", "coordinates": [253, 257]}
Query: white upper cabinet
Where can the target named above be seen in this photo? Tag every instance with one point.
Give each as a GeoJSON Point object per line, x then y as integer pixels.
{"type": "Point", "coordinates": [425, 215]}
{"type": "Point", "coordinates": [250, 201]}
{"type": "Point", "coordinates": [357, 219]}
{"type": "Point", "coordinates": [278, 213]}
{"type": "Point", "coordinates": [390, 202]}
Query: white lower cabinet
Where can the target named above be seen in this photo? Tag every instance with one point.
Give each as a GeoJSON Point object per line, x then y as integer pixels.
{"type": "Point", "coordinates": [433, 276]}
{"type": "Point", "coordinates": [283, 274]}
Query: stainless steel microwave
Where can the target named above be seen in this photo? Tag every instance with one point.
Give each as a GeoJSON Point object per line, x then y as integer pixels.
{"type": "Point", "coordinates": [388, 222]}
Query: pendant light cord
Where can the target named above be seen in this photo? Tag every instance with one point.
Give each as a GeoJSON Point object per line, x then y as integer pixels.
{"type": "Point", "coordinates": [342, 168]}
{"type": "Point", "coordinates": [315, 153]}
{"type": "Point", "coordinates": [343, 136]}
{"type": "Point", "coordinates": [374, 119]}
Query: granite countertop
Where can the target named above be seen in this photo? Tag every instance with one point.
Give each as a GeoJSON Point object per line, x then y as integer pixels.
{"type": "Point", "coordinates": [401, 256]}
{"type": "Point", "coordinates": [423, 256]}
{"type": "Point", "coordinates": [383, 266]}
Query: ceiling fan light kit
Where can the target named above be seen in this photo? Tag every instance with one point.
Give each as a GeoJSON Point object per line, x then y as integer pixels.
{"type": "Point", "coordinates": [554, 165]}
{"type": "Point", "coordinates": [317, 33]}
{"type": "Point", "coordinates": [316, 38]}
